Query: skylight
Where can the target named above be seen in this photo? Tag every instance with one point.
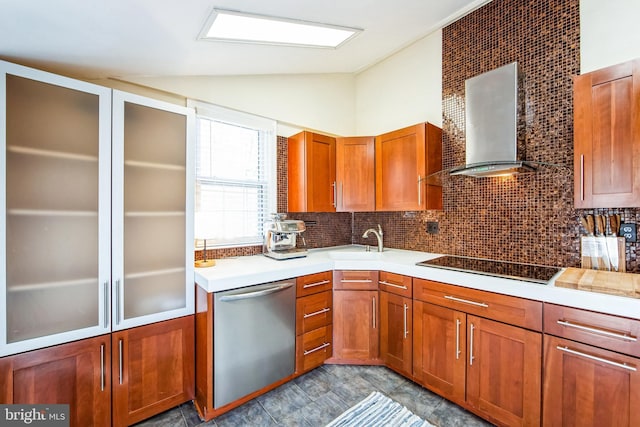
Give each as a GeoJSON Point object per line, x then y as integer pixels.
{"type": "Point", "coordinates": [224, 25]}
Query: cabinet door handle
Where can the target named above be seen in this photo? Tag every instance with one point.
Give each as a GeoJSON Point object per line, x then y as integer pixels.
{"type": "Point", "coordinates": [466, 301]}
{"type": "Point", "coordinates": [373, 305]}
{"type": "Point", "coordinates": [581, 176]}
{"type": "Point", "coordinates": [320, 347]}
{"type": "Point", "coordinates": [341, 194]}
{"type": "Point", "coordinates": [356, 281]}
{"type": "Point", "coordinates": [315, 313]}
{"type": "Point", "coordinates": [117, 292]}
{"type": "Point", "coordinates": [393, 285]}
{"type": "Point", "coordinates": [102, 367]}
{"type": "Point", "coordinates": [458, 322]}
{"type": "Point", "coordinates": [120, 361]}
{"type": "Point", "coordinates": [419, 190]}
{"type": "Point", "coordinates": [106, 304]}
{"type": "Point", "coordinates": [597, 331]}
{"type": "Point", "coordinates": [471, 345]}
{"type": "Point", "coordinates": [406, 332]}
{"type": "Point", "coordinates": [311, 285]}
{"type": "Point", "coordinates": [596, 358]}
{"type": "Point", "coordinates": [335, 196]}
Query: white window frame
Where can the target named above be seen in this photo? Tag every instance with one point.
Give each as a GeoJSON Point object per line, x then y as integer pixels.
{"type": "Point", "coordinates": [233, 117]}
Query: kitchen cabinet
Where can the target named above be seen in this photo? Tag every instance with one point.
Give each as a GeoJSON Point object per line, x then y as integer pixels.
{"type": "Point", "coordinates": [314, 319]}
{"type": "Point", "coordinates": [355, 317]}
{"type": "Point", "coordinates": [152, 369]}
{"type": "Point", "coordinates": [396, 320]}
{"type": "Point", "coordinates": [98, 190]}
{"type": "Point", "coordinates": [76, 373]}
{"type": "Point", "coordinates": [476, 349]}
{"type": "Point", "coordinates": [311, 173]}
{"type": "Point", "coordinates": [355, 177]}
{"type": "Point", "coordinates": [606, 107]}
{"type": "Point", "coordinates": [590, 368]}
{"type": "Point", "coordinates": [404, 160]}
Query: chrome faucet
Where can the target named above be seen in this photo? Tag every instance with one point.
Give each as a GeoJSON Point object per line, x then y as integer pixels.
{"type": "Point", "coordinates": [378, 234]}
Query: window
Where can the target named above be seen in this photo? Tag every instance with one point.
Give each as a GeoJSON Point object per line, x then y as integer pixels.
{"type": "Point", "coordinates": [235, 176]}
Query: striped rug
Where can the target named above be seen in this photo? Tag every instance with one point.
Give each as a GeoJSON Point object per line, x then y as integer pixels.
{"type": "Point", "coordinates": [378, 410]}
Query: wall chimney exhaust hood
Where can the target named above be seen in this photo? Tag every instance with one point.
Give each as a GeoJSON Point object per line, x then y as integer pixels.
{"type": "Point", "coordinates": [492, 111]}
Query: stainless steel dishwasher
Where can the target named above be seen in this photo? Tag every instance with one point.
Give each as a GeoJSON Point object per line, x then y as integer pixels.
{"type": "Point", "coordinates": [254, 334]}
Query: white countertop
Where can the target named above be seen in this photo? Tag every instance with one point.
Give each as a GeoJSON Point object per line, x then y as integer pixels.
{"type": "Point", "coordinates": [231, 273]}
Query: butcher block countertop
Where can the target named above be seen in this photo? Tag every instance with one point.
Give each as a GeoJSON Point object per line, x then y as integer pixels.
{"type": "Point", "coordinates": [607, 282]}
{"type": "Point", "coordinates": [232, 273]}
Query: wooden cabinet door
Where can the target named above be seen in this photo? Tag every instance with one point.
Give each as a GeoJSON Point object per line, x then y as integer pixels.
{"type": "Point", "coordinates": [587, 386]}
{"type": "Point", "coordinates": [76, 374]}
{"type": "Point", "coordinates": [439, 349]}
{"type": "Point", "coordinates": [153, 369]}
{"type": "Point", "coordinates": [355, 325]}
{"type": "Point", "coordinates": [355, 178]}
{"type": "Point", "coordinates": [396, 334]}
{"type": "Point", "coordinates": [404, 158]}
{"type": "Point", "coordinates": [311, 173]}
{"type": "Point", "coordinates": [607, 137]}
{"type": "Point", "coordinates": [503, 372]}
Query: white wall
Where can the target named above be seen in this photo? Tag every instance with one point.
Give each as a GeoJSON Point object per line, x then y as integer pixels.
{"type": "Point", "coordinates": [608, 32]}
{"type": "Point", "coordinates": [402, 90]}
{"type": "Point", "coordinates": [322, 102]}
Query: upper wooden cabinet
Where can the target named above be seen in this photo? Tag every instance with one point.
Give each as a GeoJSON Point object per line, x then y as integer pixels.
{"type": "Point", "coordinates": [355, 177]}
{"type": "Point", "coordinates": [404, 158]}
{"type": "Point", "coordinates": [607, 137]}
{"type": "Point", "coordinates": [311, 173]}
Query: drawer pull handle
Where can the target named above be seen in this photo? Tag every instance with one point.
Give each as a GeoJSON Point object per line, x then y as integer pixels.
{"type": "Point", "coordinates": [102, 381]}
{"type": "Point", "coordinates": [315, 313]}
{"type": "Point", "coordinates": [393, 285]}
{"type": "Point", "coordinates": [406, 331]}
{"type": "Point", "coordinates": [466, 301]}
{"type": "Point", "coordinates": [356, 280]}
{"type": "Point", "coordinates": [458, 322]}
{"type": "Point", "coordinates": [311, 285]}
{"type": "Point", "coordinates": [596, 358]}
{"type": "Point", "coordinates": [373, 311]}
{"type": "Point", "coordinates": [597, 331]}
{"type": "Point", "coordinates": [471, 345]}
{"type": "Point", "coordinates": [120, 362]}
{"type": "Point", "coordinates": [318, 348]}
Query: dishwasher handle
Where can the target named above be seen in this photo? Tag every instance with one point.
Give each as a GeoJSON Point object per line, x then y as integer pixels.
{"type": "Point", "coordinates": [256, 294]}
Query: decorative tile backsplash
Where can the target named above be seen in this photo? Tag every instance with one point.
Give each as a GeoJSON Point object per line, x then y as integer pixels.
{"type": "Point", "coordinates": [529, 218]}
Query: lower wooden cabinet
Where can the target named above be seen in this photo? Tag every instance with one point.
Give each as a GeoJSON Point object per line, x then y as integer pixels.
{"type": "Point", "coordinates": [314, 336]}
{"type": "Point", "coordinates": [396, 332]}
{"type": "Point", "coordinates": [588, 386]}
{"type": "Point", "coordinates": [77, 374]}
{"type": "Point", "coordinates": [152, 369]}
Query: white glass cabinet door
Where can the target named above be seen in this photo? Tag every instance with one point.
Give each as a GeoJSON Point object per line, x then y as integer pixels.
{"type": "Point", "coordinates": [153, 181]}
{"type": "Point", "coordinates": [55, 140]}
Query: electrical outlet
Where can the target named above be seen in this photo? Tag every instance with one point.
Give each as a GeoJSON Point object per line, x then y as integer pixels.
{"type": "Point", "coordinates": [629, 232]}
{"type": "Point", "coordinates": [432, 227]}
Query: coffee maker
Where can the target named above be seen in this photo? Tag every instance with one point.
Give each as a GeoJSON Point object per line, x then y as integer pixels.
{"type": "Point", "coordinates": [280, 236]}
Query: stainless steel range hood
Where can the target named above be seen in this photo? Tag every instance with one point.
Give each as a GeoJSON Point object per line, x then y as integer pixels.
{"type": "Point", "coordinates": [492, 115]}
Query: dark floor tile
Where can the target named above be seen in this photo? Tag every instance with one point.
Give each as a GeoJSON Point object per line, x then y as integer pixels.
{"type": "Point", "coordinates": [315, 383]}
{"type": "Point", "coordinates": [324, 409]}
{"type": "Point", "coordinates": [190, 414]}
{"type": "Point", "coordinates": [250, 414]}
{"type": "Point", "coordinates": [171, 418]}
{"type": "Point", "coordinates": [383, 378]}
{"type": "Point", "coordinates": [353, 390]}
{"type": "Point", "coordinates": [342, 372]}
{"type": "Point", "coordinates": [416, 398]}
{"type": "Point", "coordinates": [449, 414]}
{"type": "Point", "coordinates": [284, 400]}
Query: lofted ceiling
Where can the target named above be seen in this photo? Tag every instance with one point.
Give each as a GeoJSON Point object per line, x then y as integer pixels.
{"type": "Point", "coordinates": [120, 38]}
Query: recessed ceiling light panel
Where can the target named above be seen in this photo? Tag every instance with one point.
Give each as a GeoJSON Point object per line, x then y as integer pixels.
{"type": "Point", "coordinates": [232, 26]}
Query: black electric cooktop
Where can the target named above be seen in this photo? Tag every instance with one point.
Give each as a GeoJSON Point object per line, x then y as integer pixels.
{"type": "Point", "coordinates": [510, 270]}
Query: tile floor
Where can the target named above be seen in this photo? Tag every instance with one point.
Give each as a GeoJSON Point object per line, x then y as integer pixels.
{"type": "Point", "coordinates": [319, 396]}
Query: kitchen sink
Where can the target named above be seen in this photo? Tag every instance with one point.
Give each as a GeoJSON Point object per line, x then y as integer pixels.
{"type": "Point", "coordinates": [356, 252]}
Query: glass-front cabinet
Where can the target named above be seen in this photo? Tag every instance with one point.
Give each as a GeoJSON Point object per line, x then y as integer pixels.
{"type": "Point", "coordinates": [96, 210]}
{"type": "Point", "coordinates": [55, 163]}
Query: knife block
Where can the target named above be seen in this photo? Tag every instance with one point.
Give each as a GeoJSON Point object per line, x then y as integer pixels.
{"type": "Point", "coordinates": [598, 262]}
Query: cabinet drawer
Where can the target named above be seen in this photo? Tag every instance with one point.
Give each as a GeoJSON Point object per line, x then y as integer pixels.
{"type": "Point", "coordinates": [313, 348]}
{"type": "Point", "coordinates": [396, 284]}
{"type": "Point", "coordinates": [313, 283]}
{"type": "Point", "coordinates": [357, 280]}
{"type": "Point", "coordinates": [513, 310]}
{"type": "Point", "coordinates": [313, 311]}
{"type": "Point", "coordinates": [602, 330]}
